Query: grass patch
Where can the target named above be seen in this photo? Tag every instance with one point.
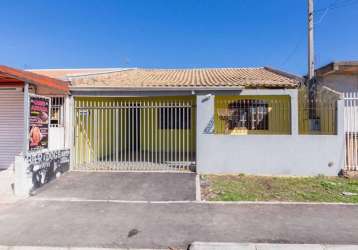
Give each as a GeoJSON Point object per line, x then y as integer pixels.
{"type": "Point", "coordinates": [260, 188]}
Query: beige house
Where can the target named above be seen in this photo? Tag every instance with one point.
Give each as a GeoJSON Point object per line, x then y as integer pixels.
{"type": "Point", "coordinates": [339, 76]}
{"type": "Point", "coordinates": [342, 77]}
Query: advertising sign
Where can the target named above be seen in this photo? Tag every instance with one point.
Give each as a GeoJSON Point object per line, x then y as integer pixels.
{"type": "Point", "coordinates": [47, 165]}
{"type": "Point", "coordinates": [39, 119]}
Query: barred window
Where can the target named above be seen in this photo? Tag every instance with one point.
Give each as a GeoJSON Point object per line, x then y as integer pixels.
{"type": "Point", "coordinates": [247, 114]}
{"type": "Point", "coordinates": [57, 111]}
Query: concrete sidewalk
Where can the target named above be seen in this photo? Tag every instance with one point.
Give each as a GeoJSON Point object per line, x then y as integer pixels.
{"type": "Point", "coordinates": [7, 178]}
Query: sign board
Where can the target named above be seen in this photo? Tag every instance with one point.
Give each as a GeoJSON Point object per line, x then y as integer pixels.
{"type": "Point", "coordinates": [39, 119]}
{"type": "Point", "coordinates": [43, 166]}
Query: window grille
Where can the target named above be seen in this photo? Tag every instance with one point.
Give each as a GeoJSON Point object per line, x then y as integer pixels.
{"type": "Point", "coordinates": [245, 114]}
{"type": "Point", "coordinates": [57, 111]}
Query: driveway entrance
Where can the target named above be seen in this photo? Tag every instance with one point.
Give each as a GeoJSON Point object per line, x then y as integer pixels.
{"type": "Point", "coordinates": [135, 134]}
{"type": "Point", "coordinates": [123, 186]}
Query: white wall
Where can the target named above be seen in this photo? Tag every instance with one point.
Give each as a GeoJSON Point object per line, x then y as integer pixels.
{"type": "Point", "coordinates": [56, 138]}
{"type": "Point", "coordinates": [301, 155]}
{"type": "Point", "coordinates": [348, 85]}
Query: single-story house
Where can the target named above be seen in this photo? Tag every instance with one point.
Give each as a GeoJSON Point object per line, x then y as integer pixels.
{"type": "Point", "coordinates": [15, 86]}
{"type": "Point", "coordinates": [210, 120]}
{"type": "Point", "coordinates": [342, 77]}
{"type": "Point", "coordinates": [215, 120]}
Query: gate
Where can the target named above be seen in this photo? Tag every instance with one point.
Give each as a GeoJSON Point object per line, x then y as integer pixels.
{"type": "Point", "coordinates": [351, 129]}
{"type": "Point", "coordinates": [135, 134]}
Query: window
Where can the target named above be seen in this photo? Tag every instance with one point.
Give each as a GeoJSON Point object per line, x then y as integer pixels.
{"type": "Point", "coordinates": [57, 111]}
{"type": "Point", "coordinates": [247, 114]}
{"type": "Point", "coordinates": [174, 118]}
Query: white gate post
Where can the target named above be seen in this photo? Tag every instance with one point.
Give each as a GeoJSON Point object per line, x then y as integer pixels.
{"type": "Point", "coordinates": [294, 112]}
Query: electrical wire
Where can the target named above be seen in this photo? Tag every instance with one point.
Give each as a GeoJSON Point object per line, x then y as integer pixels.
{"type": "Point", "coordinates": [334, 5]}
{"type": "Point", "coordinates": [337, 5]}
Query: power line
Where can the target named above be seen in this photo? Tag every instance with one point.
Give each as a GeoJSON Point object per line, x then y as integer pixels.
{"type": "Point", "coordinates": [326, 12]}
{"type": "Point", "coordinates": [294, 50]}
{"type": "Point", "coordinates": [337, 5]}
{"type": "Point", "coordinates": [334, 5]}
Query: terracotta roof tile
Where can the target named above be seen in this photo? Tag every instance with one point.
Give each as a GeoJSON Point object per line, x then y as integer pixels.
{"type": "Point", "coordinates": [215, 77]}
{"type": "Point", "coordinates": [174, 78]}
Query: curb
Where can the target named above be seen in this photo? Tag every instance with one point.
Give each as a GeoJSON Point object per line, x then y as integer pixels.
{"type": "Point", "coordinates": [68, 248]}
{"type": "Point", "coordinates": [72, 199]}
{"type": "Point", "coordinates": [206, 246]}
{"type": "Point", "coordinates": [263, 246]}
{"type": "Point", "coordinates": [197, 188]}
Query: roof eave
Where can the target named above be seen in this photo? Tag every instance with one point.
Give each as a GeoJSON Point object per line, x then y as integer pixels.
{"type": "Point", "coordinates": [179, 89]}
{"type": "Point", "coordinates": [338, 66]}
{"type": "Point", "coordinates": [35, 79]}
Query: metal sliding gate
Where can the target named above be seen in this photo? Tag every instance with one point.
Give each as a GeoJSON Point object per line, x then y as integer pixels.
{"type": "Point", "coordinates": [351, 130]}
{"type": "Point", "coordinates": [139, 134]}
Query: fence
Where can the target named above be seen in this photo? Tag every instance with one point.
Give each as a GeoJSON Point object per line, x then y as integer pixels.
{"type": "Point", "coordinates": [351, 129]}
{"type": "Point", "coordinates": [242, 115]}
{"type": "Point", "coordinates": [135, 134]}
{"type": "Point", "coordinates": [318, 116]}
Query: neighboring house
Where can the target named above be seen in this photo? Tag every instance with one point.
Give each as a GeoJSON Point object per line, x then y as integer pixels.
{"type": "Point", "coordinates": [12, 108]}
{"type": "Point", "coordinates": [342, 77]}
{"type": "Point", "coordinates": [219, 120]}
{"type": "Point", "coordinates": [339, 76]}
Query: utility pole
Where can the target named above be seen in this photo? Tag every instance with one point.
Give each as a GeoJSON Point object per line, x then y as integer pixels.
{"type": "Point", "coordinates": [311, 64]}
{"type": "Point", "coordinates": [312, 88]}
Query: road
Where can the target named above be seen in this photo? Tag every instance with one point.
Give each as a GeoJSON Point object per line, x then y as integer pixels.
{"type": "Point", "coordinates": [81, 223]}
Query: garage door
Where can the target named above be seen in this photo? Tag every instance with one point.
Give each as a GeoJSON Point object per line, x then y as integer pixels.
{"type": "Point", "coordinates": [11, 125]}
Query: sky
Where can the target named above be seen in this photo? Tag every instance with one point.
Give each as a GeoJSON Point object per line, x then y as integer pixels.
{"type": "Point", "coordinates": [174, 33]}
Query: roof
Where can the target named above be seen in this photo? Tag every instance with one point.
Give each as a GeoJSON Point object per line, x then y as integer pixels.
{"type": "Point", "coordinates": [12, 75]}
{"type": "Point", "coordinates": [340, 67]}
{"type": "Point", "coordinates": [140, 78]}
{"type": "Point", "coordinates": [66, 74]}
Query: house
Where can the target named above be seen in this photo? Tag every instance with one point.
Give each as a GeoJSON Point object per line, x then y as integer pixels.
{"type": "Point", "coordinates": [15, 86]}
{"type": "Point", "coordinates": [25, 106]}
{"type": "Point", "coordinates": [342, 77]}
{"type": "Point", "coordinates": [211, 120]}
{"type": "Point", "coordinates": [216, 120]}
